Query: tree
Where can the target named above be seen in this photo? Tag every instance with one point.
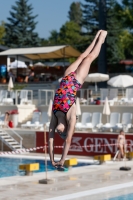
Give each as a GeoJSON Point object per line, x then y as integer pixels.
{"type": "Point", "coordinates": [44, 42]}
{"type": "Point", "coordinates": [53, 39]}
{"type": "Point", "coordinates": [2, 32]}
{"type": "Point", "coordinates": [90, 21]}
{"type": "Point", "coordinates": [75, 28]}
{"type": "Point", "coordinates": [70, 34]}
{"type": "Point", "coordinates": [75, 13]}
{"type": "Point", "coordinates": [115, 52]}
{"type": "Point", "coordinates": [21, 26]}
{"type": "Point", "coordinates": [126, 39]}
{"type": "Point", "coordinates": [125, 15]}
{"type": "Point", "coordinates": [90, 25]}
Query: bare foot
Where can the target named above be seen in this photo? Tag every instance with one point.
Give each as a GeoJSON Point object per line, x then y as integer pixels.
{"type": "Point", "coordinates": [103, 35]}
{"type": "Point", "coordinates": [98, 33]}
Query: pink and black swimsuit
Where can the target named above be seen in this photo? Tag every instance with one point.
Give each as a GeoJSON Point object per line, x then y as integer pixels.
{"type": "Point", "coordinates": [65, 96]}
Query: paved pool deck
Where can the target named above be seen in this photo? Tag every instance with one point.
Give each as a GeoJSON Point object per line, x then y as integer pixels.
{"type": "Point", "coordinates": [94, 182]}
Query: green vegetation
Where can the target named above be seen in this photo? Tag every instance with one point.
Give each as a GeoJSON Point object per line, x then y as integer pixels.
{"type": "Point", "coordinates": [75, 13]}
{"type": "Point", "coordinates": [2, 33]}
{"type": "Point", "coordinates": [21, 26]}
{"type": "Point", "coordinates": [125, 16]}
{"type": "Point", "coordinates": [115, 52]}
{"type": "Point", "coordinates": [19, 87]}
{"type": "Point", "coordinates": [91, 25]}
{"type": "Point", "coordinates": [78, 30]}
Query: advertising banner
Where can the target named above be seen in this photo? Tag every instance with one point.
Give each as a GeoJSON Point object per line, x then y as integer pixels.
{"type": "Point", "coordinates": [87, 144]}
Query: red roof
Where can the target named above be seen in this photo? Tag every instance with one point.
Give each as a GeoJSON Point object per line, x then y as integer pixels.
{"type": "Point", "coordinates": [126, 62]}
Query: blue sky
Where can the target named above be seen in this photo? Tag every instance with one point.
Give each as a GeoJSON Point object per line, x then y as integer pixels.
{"type": "Point", "coordinates": [52, 14]}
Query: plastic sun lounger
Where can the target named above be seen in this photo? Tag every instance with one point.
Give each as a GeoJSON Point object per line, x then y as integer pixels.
{"type": "Point", "coordinates": [86, 118]}
{"type": "Point", "coordinates": [114, 120]}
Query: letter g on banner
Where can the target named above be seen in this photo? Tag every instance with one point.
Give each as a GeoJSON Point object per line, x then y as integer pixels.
{"type": "Point", "coordinates": [90, 148]}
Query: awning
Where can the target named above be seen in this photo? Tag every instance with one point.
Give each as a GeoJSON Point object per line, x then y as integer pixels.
{"type": "Point", "coordinates": [35, 53]}
{"type": "Point", "coordinates": [54, 64]}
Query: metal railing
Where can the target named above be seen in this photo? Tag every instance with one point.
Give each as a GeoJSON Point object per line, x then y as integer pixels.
{"type": "Point", "coordinates": [21, 139]}
{"type": "Point", "coordinates": [6, 131]}
{"type": "Point", "coordinates": [28, 93]}
{"type": "Point", "coordinates": [44, 96]}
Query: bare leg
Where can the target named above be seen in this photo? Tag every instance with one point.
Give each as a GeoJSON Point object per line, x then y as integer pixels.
{"type": "Point", "coordinates": [83, 69]}
{"type": "Point", "coordinates": [119, 155]}
{"type": "Point", "coordinates": [52, 127]}
{"type": "Point", "coordinates": [121, 152]}
{"type": "Point", "coordinates": [75, 65]}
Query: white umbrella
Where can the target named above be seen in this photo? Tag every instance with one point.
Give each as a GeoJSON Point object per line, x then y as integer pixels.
{"type": "Point", "coordinates": [50, 108]}
{"type": "Point", "coordinates": [10, 84]}
{"type": "Point", "coordinates": [39, 64]}
{"type": "Point", "coordinates": [78, 109]}
{"type": "Point", "coordinates": [121, 81]}
{"type": "Point", "coordinates": [96, 77]}
{"type": "Point", "coordinates": [106, 109]}
{"type": "Point", "coordinates": [59, 80]}
{"type": "Point", "coordinates": [18, 64]}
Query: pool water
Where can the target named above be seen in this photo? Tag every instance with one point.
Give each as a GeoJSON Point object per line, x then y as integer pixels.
{"type": "Point", "coordinates": [123, 197]}
{"type": "Point", "coordinates": [10, 166]}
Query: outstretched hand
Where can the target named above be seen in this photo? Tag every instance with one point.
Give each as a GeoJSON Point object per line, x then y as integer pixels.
{"type": "Point", "coordinates": [54, 164]}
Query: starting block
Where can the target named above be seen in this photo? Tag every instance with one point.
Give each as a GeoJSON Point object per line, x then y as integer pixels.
{"type": "Point", "coordinates": [29, 168]}
{"type": "Point", "coordinates": [103, 158]}
{"type": "Point", "coordinates": [129, 155]}
{"type": "Point", "coordinates": [71, 162]}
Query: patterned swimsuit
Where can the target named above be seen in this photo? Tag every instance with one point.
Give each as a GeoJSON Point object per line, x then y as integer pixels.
{"type": "Point", "coordinates": [65, 96]}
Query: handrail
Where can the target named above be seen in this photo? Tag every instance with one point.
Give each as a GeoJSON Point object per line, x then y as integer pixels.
{"type": "Point", "coordinates": [15, 134]}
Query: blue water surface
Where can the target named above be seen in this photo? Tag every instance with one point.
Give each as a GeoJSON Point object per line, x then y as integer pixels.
{"type": "Point", "coordinates": [10, 166]}
{"type": "Point", "coordinates": [123, 197]}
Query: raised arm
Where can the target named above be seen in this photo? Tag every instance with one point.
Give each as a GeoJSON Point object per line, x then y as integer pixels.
{"type": "Point", "coordinates": [68, 139]}
{"type": "Point", "coordinates": [52, 128]}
